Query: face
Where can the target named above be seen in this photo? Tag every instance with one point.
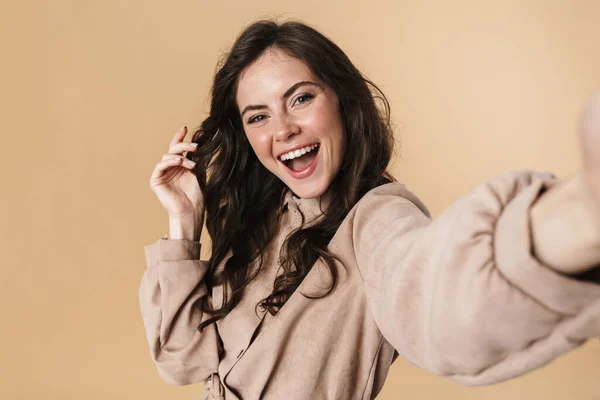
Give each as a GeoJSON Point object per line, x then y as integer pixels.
{"type": "Point", "coordinates": [292, 121]}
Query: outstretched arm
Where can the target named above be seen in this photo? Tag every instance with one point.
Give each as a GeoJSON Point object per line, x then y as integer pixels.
{"type": "Point", "coordinates": [462, 295]}
{"type": "Point", "coordinates": [500, 283]}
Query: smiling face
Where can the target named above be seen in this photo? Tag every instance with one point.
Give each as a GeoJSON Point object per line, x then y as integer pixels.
{"type": "Point", "coordinates": [292, 121]}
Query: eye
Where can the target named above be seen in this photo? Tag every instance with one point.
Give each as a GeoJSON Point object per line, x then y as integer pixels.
{"type": "Point", "coordinates": [303, 98]}
{"type": "Point", "coordinates": [256, 118]}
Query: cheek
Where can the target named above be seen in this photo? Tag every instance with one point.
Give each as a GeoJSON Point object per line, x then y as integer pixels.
{"type": "Point", "coordinates": [332, 123]}
{"type": "Point", "coordinates": [261, 144]}
{"type": "Point", "coordinates": [330, 120]}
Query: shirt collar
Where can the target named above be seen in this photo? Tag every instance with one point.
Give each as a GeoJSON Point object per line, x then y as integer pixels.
{"type": "Point", "coordinates": [310, 208]}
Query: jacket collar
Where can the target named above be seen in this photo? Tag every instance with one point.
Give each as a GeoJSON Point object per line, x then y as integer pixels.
{"type": "Point", "coordinates": [310, 208]}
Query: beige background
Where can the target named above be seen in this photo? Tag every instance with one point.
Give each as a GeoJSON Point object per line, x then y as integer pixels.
{"type": "Point", "coordinates": [92, 92]}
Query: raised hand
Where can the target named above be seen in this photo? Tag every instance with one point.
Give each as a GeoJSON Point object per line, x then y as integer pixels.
{"type": "Point", "coordinates": [589, 136]}
{"type": "Point", "coordinates": [565, 221]}
{"type": "Point", "coordinates": [174, 182]}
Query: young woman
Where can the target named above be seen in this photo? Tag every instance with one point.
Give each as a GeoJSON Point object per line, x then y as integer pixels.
{"type": "Point", "coordinates": [324, 269]}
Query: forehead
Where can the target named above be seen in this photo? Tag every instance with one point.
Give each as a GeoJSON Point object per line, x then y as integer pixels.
{"type": "Point", "coordinates": [270, 75]}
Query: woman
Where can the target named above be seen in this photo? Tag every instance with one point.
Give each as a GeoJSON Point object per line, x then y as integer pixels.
{"type": "Point", "coordinates": [324, 269]}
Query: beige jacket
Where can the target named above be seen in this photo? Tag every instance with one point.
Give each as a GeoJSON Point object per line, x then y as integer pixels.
{"type": "Point", "coordinates": [460, 296]}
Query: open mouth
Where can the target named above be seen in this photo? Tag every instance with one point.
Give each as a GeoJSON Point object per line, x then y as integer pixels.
{"type": "Point", "coordinates": [300, 159]}
{"type": "Point", "coordinates": [301, 164]}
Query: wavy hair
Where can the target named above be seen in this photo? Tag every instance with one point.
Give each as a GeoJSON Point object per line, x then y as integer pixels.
{"type": "Point", "coordinates": [243, 199]}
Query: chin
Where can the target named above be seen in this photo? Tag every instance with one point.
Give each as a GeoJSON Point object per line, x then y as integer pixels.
{"type": "Point", "coordinates": [308, 194]}
{"type": "Point", "coordinates": [308, 190]}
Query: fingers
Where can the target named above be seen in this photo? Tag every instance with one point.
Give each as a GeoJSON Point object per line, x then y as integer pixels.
{"type": "Point", "coordinates": [174, 158]}
{"type": "Point", "coordinates": [179, 135]}
{"type": "Point", "coordinates": [589, 133]}
{"type": "Point", "coordinates": [177, 157]}
{"type": "Point", "coordinates": [590, 119]}
{"type": "Point", "coordinates": [178, 146]}
{"type": "Point", "coordinates": [167, 162]}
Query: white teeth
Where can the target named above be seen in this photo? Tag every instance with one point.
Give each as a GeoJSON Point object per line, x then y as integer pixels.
{"type": "Point", "coordinates": [297, 153]}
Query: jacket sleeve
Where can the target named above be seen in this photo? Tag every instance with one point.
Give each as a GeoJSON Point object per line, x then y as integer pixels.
{"type": "Point", "coordinates": [171, 283]}
{"type": "Point", "coordinates": [462, 296]}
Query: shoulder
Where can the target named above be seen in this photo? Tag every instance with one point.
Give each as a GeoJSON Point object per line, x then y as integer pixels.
{"type": "Point", "coordinates": [389, 195]}
{"type": "Point", "coordinates": [396, 198]}
{"type": "Point", "coordinates": [385, 211]}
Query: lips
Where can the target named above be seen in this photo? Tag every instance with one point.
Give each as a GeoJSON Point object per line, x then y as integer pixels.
{"type": "Point", "coordinates": [306, 172]}
{"type": "Point", "coordinates": [300, 146]}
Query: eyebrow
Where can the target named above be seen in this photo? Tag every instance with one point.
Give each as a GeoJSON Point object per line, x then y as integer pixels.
{"type": "Point", "coordinates": [287, 94]}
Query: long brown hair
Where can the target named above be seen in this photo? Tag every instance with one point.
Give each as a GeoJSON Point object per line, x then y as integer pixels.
{"type": "Point", "coordinates": [242, 197]}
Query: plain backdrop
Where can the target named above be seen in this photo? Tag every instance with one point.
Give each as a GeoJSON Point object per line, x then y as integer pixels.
{"type": "Point", "coordinates": [93, 91]}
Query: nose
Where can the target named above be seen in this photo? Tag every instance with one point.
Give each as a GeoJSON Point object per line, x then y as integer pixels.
{"type": "Point", "coordinates": [286, 128]}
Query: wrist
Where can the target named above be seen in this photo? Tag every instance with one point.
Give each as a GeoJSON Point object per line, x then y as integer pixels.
{"type": "Point", "coordinates": [188, 226]}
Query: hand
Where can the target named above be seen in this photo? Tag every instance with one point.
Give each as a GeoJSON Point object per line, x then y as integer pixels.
{"type": "Point", "coordinates": [173, 181]}
{"type": "Point", "coordinates": [565, 220]}
{"type": "Point", "coordinates": [589, 135]}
